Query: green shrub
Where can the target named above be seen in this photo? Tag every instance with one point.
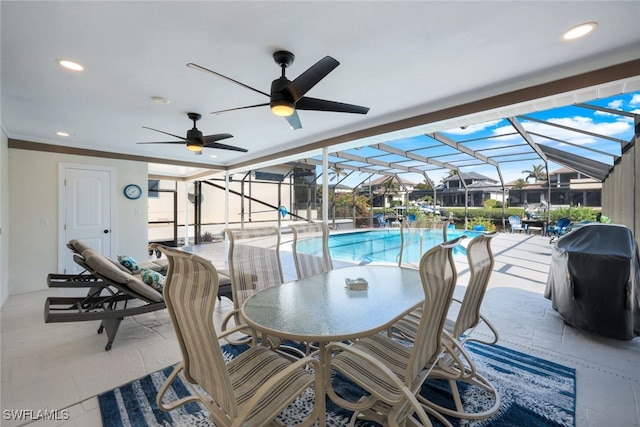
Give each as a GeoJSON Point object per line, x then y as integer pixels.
{"type": "Point", "coordinates": [492, 204]}
{"type": "Point", "coordinates": [494, 213]}
{"type": "Point", "coordinates": [574, 214]}
{"type": "Point", "coordinates": [487, 223]}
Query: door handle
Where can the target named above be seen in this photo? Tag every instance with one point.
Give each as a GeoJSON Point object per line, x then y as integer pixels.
{"type": "Point", "coordinates": [105, 231]}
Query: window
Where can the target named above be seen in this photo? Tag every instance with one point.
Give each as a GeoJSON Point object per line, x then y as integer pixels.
{"type": "Point", "coordinates": [153, 187]}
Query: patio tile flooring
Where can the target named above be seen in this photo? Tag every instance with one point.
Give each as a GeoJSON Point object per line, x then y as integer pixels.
{"type": "Point", "coordinates": [64, 365]}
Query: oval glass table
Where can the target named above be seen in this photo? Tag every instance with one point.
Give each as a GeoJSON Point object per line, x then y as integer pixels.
{"type": "Point", "coordinates": [321, 309]}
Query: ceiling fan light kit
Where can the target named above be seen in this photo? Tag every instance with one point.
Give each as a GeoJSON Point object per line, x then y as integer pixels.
{"type": "Point", "coordinates": [282, 108]}
{"type": "Point", "coordinates": [192, 146]}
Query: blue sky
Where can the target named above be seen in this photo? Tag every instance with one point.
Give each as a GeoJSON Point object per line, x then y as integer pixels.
{"type": "Point", "coordinates": [496, 135]}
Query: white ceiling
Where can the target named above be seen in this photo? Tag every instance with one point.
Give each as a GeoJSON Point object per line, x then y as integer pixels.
{"type": "Point", "coordinates": [401, 59]}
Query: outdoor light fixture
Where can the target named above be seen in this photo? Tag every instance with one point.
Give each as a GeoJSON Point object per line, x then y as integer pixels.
{"type": "Point", "coordinates": [579, 31]}
{"type": "Point", "coordinates": [282, 108]}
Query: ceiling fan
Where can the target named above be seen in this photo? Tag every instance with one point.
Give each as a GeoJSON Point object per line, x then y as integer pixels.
{"type": "Point", "coordinates": [288, 96]}
{"type": "Point", "coordinates": [196, 141]}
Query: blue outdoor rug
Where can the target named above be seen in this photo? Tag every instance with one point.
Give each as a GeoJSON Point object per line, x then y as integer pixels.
{"type": "Point", "coordinates": [534, 392]}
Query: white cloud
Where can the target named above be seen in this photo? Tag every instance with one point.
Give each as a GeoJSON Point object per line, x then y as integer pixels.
{"type": "Point", "coordinates": [615, 104]}
{"type": "Point", "coordinates": [605, 114]}
{"type": "Point", "coordinates": [635, 99]}
{"type": "Point", "coordinates": [619, 127]}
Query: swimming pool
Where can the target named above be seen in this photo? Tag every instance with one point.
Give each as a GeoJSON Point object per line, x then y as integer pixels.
{"type": "Point", "coordinates": [364, 247]}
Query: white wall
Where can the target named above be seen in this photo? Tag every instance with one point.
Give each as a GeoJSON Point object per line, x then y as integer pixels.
{"type": "Point", "coordinates": [33, 196]}
{"type": "Point", "coordinates": [4, 218]}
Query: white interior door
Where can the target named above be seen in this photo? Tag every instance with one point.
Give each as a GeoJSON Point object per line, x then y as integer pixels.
{"type": "Point", "coordinates": [86, 197]}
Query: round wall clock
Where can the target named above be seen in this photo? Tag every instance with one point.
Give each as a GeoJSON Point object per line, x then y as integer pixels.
{"type": "Point", "coordinates": [132, 191]}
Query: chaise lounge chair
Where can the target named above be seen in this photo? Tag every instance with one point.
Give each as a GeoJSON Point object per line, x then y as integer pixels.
{"type": "Point", "coordinates": [112, 295]}
{"type": "Point", "coordinates": [86, 280]}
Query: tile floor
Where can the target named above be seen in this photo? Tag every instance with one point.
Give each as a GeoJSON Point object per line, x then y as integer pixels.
{"type": "Point", "coordinates": [64, 366]}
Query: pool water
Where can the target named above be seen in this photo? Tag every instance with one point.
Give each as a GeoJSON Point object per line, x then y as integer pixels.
{"type": "Point", "coordinates": [364, 247]}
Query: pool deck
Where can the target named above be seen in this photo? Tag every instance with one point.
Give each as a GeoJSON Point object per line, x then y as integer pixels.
{"type": "Point", "coordinates": [64, 365]}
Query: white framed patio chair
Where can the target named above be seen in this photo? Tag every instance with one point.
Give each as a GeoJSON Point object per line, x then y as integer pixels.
{"type": "Point", "coordinates": [250, 390]}
{"type": "Point", "coordinates": [393, 373]}
{"type": "Point", "coordinates": [311, 249]}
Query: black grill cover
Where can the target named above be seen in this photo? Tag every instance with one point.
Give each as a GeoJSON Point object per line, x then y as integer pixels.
{"type": "Point", "coordinates": [594, 280]}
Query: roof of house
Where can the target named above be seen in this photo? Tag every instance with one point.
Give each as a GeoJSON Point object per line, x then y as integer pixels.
{"type": "Point", "coordinates": [383, 178]}
{"type": "Point", "coordinates": [470, 175]}
{"type": "Point", "coordinates": [561, 170]}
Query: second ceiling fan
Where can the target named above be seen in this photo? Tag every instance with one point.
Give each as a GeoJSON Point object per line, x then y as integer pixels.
{"type": "Point", "coordinates": [288, 96]}
{"type": "Point", "coordinates": [195, 140]}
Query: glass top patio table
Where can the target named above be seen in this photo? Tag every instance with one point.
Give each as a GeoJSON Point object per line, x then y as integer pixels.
{"type": "Point", "coordinates": [321, 309]}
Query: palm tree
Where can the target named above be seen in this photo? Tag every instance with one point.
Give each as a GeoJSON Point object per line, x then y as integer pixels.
{"type": "Point", "coordinates": [520, 183]}
{"type": "Point", "coordinates": [336, 173]}
{"type": "Point", "coordinates": [389, 185]}
{"type": "Point", "coordinates": [537, 173]}
{"type": "Point", "coordinates": [450, 173]}
{"type": "Point", "coordinates": [425, 185]}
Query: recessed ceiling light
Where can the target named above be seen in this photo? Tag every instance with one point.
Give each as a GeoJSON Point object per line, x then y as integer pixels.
{"type": "Point", "coordinates": [213, 156]}
{"type": "Point", "coordinates": [60, 133]}
{"type": "Point", "coordinates": [70, 65]}
{"type": "Point", "coordinates": [579, 31]}
{"type": "Point", "coordinates": [160, 100]}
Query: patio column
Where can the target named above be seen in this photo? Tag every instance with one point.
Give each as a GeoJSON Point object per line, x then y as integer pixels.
{"type": "Point", "coordinates": [325, 185]}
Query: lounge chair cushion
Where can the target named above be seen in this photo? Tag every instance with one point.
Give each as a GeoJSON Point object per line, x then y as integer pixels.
{"type": "Point", "coordinates": [78, 246]}
{"type": "Point", "coordinates": [103, 266]}
{"type": "Point", "coordinates": [120, 266]}
{"type": "Point", "coordinates": [130, 263]}
{"type": "Point", "coordinates": [159, 265]}
{"type": "Point", "coordinates": [152, 278]}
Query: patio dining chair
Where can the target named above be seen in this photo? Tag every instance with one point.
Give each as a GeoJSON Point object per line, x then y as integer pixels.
{"type": "Point", "coordinates": [457, 365]}
{"type": "Point", "coordinates": [516, 224]}
{"type": "Point", "coordinates": [254, 264]}
{"type": "Point", "coordinates": [250, 390]}
{"type": "Point", "coordinates": [311, 249]}
{"type": "Point", "coordinates": [414, 238]}
{"type": "Point", "coordinates": [393, 373]}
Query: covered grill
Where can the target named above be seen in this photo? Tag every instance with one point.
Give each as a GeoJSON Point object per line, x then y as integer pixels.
{"type": "Point", "coordinates": [594, 280]}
